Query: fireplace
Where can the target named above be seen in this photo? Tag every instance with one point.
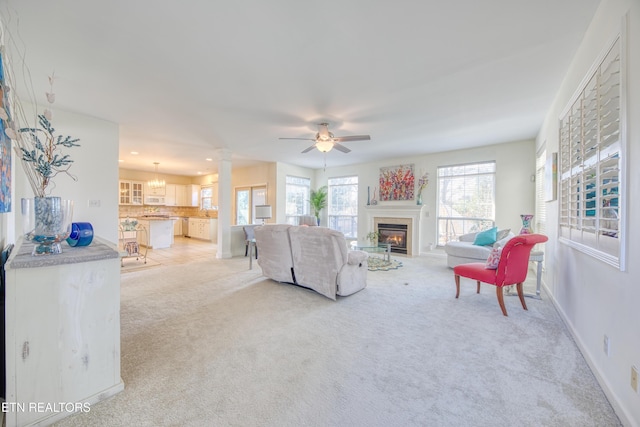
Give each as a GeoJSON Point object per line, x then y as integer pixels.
{"type": "Point", "coordinates": [407, 215]}
{"type": "Point", "coordinates": [394, 234]}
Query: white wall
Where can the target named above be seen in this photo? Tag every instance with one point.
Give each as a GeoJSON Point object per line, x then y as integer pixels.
{"type": "Point", "coordinates": [594, 298]}
{"type": "Point", "coordinates": [515, 192]}
{"type": "Point", "coordinates": [95, 164]}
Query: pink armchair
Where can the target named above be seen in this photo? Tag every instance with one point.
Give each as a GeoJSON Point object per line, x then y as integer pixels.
{"type": "Point", "coordinates": [512, 268]}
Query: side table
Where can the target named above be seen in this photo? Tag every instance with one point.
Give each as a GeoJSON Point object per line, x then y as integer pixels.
{"type": "Point", "coordinates": [537, 256]}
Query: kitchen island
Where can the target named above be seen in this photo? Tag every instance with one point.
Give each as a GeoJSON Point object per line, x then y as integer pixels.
{"type": "Point", "coordinates": [159, 230]}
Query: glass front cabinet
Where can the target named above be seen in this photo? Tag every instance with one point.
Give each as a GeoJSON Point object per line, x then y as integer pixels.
{"type": "Point", "coordinates": [131, 192]}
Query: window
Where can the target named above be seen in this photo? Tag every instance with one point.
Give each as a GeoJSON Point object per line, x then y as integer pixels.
{"type": "Point", "coordinates": [541, 207]}
{"type": "Point", "coordinates": [343, 205]}
{"type": "Point", "coordinates": [246, 200]}
{"type": "Point", "coordinates": [297, 198]}
{"type": "Point", "coordinates": [592, 142]}
{"type": "Point", "coordinates": [540, 216]}
{"type": "Point", "coordinates": [206, 198]}
{"type": "Point", "coordinates": [466, 199]}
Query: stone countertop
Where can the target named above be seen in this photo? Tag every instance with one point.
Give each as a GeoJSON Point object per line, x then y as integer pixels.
{"type": "Point", "coordinates": [98, 250]}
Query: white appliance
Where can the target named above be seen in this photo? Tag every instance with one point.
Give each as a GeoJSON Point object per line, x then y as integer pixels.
{"type": "Point", "coordinates": [154, 200]}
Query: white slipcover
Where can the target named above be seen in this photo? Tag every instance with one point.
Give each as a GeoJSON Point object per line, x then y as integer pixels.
{"type": "Point", "coordinates": [320, 257]}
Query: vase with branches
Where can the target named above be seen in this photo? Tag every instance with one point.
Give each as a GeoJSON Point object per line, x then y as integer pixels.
{"type": "Point", "coordinates": [46, 219]}
{"type": "Point", "coordinates": [423, 181]}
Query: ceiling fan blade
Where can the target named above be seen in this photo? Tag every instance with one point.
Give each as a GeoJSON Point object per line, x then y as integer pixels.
{"type": "Point", "coordinates": [352, 138]}
{"type": "Point", "coordinates": [301, 139]}
{"type": "Point", "coordinates": [309, 149]}
{"type": "Point", "coordinates": [340, 147]}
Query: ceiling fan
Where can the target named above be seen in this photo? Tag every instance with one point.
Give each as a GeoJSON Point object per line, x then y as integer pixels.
{"type": "Point", "coordinates": [325, 140]}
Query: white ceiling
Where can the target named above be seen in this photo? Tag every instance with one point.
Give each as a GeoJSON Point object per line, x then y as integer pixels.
{"type": "Point", "coordinates": [185, 78]}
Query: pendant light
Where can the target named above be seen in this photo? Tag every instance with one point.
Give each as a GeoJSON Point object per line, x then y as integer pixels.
{"type": "Point", "coordinates": [156, 182]}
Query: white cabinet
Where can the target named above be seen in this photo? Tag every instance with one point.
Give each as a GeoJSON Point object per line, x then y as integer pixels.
{"type": "Point", "coordinates": [193, 195]}
{"type": "Point", "coordinates": [160, 233]}
{"type": "Point", "coordinates": [151, 191]}
{"type": "Point", "coordinates": [181, 196]}
{"type": "Point", "coordinates": [130, 192]}
{"type": "Point", "coordinates": [176, 195]}
{"type": "Point", "coordinates": [177, 226]}
{"type": "Point", "coordinates": [203, 228]}
{"type": "Point", "coordinates": [62, 328]}
{"type": "Point", "coordinates": [170, 198]}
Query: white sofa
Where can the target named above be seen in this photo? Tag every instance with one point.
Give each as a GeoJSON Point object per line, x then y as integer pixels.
{"type": "Point", "coordinates": [464, 251]}
{"type": "Point", "coordinates": [313, 257]}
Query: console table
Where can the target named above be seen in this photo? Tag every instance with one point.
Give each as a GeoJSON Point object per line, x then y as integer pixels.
{"type": "Point", "coordinates": [62, 327]}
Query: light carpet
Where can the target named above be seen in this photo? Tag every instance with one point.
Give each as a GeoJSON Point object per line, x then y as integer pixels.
{"type": "Point", "coordinates": [213, 343]}
{"type": "Point", "coordinates": [133, 264]}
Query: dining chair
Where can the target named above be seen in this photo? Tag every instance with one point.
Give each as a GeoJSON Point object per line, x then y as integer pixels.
{"type": "Point", "coordinates": [249, 237]}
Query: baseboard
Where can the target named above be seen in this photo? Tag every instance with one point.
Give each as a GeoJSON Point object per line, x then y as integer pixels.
{"type": "Point", "coordinates": [625, 418]}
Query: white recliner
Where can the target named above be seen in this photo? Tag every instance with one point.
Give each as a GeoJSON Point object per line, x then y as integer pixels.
{"type": "Point", "coordinates": [313, 257]}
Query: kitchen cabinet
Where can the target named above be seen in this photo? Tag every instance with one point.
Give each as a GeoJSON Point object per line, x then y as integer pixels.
{"type": "Point", "coordinates": [130, 192]}
{"type": "Point", "coordinates": [193, 195]}
{"type": "Point", "coordinates": [160, 232]}
{"type": "Point", "coordinates": [177, 226]}
{"type": "Point", "coordinates": [170, 195]}
{"type": "Point", "coordinates": [204, 228]}
{"type": "Point", "coordinates": [152, 191]}
{"type": "Point", "coordinates": [181, 195]}
{"type": "Point", "coordinates": [176, 195]}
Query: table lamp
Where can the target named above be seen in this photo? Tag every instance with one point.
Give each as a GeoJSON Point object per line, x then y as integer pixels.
{"type": "Point", "coordinates": [263, 212]}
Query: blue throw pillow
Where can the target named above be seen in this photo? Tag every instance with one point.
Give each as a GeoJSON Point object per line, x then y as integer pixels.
{"type": "Point", "coordinates": [487, 237]}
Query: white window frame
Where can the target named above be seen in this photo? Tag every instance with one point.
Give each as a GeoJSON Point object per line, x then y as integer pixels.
{"type": "Point", "coordinates": [206, 200]}
{"type": "Point", "coordinates": [592, 168]}
{"type": "Point", "coordinates": [257, 196]}
{"type": "Point", "coordinates": [457, 225]}
{"type": "Point", "coordinates": [302, 207]}
{"type": "Point", "coordinates": [336, 218]}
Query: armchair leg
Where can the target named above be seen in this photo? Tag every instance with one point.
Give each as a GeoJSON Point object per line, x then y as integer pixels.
{"type": "Point", "coordinates": [500, 295]}
{"type": "Point", "coordinates": [478, 291]}
{"type": "Point", "coordinates": [457, 286]}
{"type": "Point", "coordinates": [519, 287]}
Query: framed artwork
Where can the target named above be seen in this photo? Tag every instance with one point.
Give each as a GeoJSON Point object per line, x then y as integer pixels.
{"type": "Point", "coordinates": [397, 183]}
{"type": "Point", "coordinates": [5, 149]}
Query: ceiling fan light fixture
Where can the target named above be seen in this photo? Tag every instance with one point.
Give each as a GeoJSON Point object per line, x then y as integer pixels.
{"type": "Point", "coordinates": [324, 146]}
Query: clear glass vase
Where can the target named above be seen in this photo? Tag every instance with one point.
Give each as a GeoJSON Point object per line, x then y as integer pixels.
{"type": "Point", "coordinates": [46, 221]}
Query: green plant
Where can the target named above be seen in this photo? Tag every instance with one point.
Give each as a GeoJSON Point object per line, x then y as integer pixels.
{"type": "Point", "coordinates": [318, 200]}
{"type": "Point", "coordinates": [373, 236]}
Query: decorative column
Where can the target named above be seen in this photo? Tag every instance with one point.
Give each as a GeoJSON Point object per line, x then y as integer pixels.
{"type": "Point", "coordinates": [225, 203]}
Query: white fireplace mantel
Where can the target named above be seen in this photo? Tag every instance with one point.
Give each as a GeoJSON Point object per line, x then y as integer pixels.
{"type": "Point", "coordinates": [413, 212]}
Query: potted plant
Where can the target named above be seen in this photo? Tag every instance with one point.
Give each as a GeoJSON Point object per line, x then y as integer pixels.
{"type": "Point", "coordinates": [373, 236]}
{"type": "Point", "coordinates": [318, 200]}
